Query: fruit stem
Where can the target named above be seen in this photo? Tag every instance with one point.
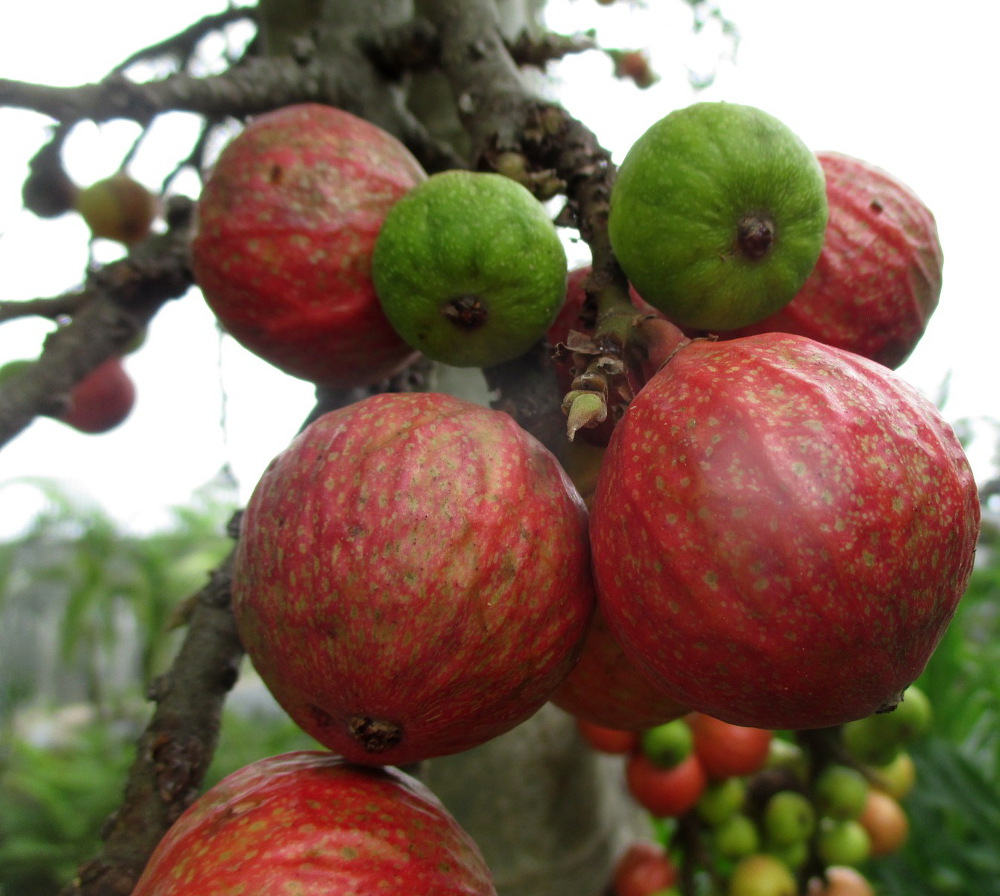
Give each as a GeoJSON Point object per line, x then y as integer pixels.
{"type": "Point", "coordinates": [586, 404]}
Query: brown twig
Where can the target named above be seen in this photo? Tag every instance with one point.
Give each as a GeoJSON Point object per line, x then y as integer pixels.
{"type": "Point", "coordinates": [182, 45]}
{"type": "Point", "coordinates": [176, 749]}
{"type": "Point", "coordinates": [255, 86]}
{"type": "Point", "coordinates": [52, 308]}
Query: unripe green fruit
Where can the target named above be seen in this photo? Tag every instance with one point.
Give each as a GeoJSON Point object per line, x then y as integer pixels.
{"type": "Point", "coordinates": [469, 268]}
{"type": "Point", "coordinates": [667, 744]}
{"type": "Point", "coordinates": [117, 208]}
{"type": "Point", "coordinates": [718, 215]}
{"type": "Point", "coordinates": [877, 739]}
{"type": "Point", "coordinates": [736, 837]}
{"type": "Point", "coordinates": [721, 800]}
{"type": "Point", "coordinates": [794, 855]}
{"type": "Point", "coordinates": [897, 777]}
{"type": "Point", "coordinates": [788, 818]}
{"type": "Point", "coordinates": [841, 791]}
{"type": "Point", "coordinates": [843, 842]}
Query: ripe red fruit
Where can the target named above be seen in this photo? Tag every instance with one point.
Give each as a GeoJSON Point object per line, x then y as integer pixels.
{"type": "Point", "coordinates": [665, 792]}
{"type": "Point", "coordinates": [727, 750]}
{"type": "Point", "coordinates": [102, 400]}
{"type": "Point", "coordinates": [607, 740]}
{"type": "Point", "coordinates": [606, 688]}
{"type": "Point", "coordinates": [312, 824]}
{"type": "Point", "coordinates": [878, 278]}
{"type": "Point", "coordinates": [287, 223]}
{"type": "Point", "coordinates": [782, 531]}
{"type": "Point", "coordinates": [643, 870]}
{"type": "Point", "coordinates": [412, 577]}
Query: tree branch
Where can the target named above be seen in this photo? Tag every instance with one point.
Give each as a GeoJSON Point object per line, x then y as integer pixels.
{"type": "Point", "coordinates": [254, 86]}
{"type": "Point", "coordinates": [176, 749]}
{"type": "Point", "coordinates": [122, 298]}
{"type": "Point", "coordinates": [53, 307]}
{"type": "Point", "coordinates": [182, 45]}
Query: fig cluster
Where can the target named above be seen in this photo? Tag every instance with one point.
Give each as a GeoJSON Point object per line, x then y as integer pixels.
{"type": "Point", "coordinates": [766, 531]}
{"type": "Point", "coordinates": [740, 810]}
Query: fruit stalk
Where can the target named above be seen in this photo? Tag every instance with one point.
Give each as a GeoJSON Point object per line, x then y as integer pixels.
{"type": "Point", "coordinates": [176, 748]}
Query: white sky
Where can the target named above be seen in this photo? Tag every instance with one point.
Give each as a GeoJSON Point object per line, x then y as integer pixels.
{"type": "Point", "coordinates": [908, 85]}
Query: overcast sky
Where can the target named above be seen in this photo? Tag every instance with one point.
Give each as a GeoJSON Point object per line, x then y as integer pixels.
{"type": "Point", "coordinates": [909, 86]}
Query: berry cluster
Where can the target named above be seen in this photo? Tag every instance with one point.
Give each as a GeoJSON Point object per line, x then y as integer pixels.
{"type": "Point", "coordinates": [751, 812]}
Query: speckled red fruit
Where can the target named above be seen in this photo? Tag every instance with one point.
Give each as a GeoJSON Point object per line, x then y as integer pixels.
{"type": "Point", "coordinates": [782, 531]}
{"type": "Point", "coordinates": [287, 223]}
{"type": "Point", "coordinates": [878, 278]}
{"type": "Point", "coordinates": [644, 869]}
{"type": "Point", "coordinates": [412, 577]}
{"type": "Point", "coordinates": [310, 824]}
{"type": "Point", "coordinates": [102, 400]}
{"type": "Point", "coordinates": [607, 688]}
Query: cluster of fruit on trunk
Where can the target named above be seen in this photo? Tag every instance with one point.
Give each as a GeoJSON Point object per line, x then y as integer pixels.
{"type": "Point", "coordinates": [778, 531]}
{"type": "Point", "coordinates": [755, 811]}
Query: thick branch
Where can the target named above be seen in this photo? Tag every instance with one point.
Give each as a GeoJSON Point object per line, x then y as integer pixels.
{"type": "Point", "coordinates": [415, 45]}
{"type": "Point", "coordinates": [123, 297]}
{"type": "Point", "coordinates": [490, 94]}
{"type": "Point", "coordinates": [176, 748]}
{"type": "Point", "coordinates": [51, 307]}
{"type": "Point", "coordinates": [255, 86]}
{"type": "Point", "coordinates": [183, 44]}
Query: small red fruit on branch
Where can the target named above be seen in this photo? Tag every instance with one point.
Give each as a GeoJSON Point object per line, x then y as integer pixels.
{"type": "Point", "coordinates": [726, 750]}
{"type": "Point", "coordinates": [665, 792]}
{"type": "Point", "coordinates": [413, 577]}
{"type": "Point", "coordinates": [782, 531]}
{"type": "Point", "coordinates": [310, 823]}
{"type": "Point", "coordinates": [102, 400]}
{"type": "Point", "coordinates": [287, 223]}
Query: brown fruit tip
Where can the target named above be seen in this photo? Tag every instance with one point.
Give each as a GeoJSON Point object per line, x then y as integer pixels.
{"type": "Point", "coordinates": [375, 735]}
{"type": "Point", "coordinates": [890, 703]}
{"type": "Point", "coordinates": [467, 312]}
{"type": "Point", "coordinates": [755, 236]}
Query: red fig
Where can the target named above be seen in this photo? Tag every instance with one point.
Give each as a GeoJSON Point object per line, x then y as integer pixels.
{"type": "Point", "coordinates": [413, 577]}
